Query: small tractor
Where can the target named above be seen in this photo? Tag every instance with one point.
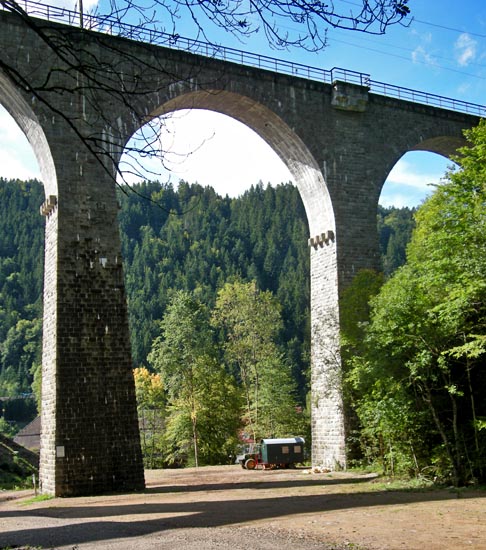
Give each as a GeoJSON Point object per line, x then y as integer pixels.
{"type": "Point", "coordinates": [272, 453]}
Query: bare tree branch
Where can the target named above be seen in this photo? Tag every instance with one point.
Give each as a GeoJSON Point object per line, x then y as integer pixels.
{"type": "Point", "coordinates": [85, 72]}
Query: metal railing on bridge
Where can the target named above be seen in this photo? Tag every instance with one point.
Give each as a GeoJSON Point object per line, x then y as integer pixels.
{"type": "Point", "coordinates": [113, 26]}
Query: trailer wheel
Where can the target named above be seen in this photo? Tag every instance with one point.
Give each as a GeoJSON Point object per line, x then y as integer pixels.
{"type": "Point", "coordinates": [250, 464]}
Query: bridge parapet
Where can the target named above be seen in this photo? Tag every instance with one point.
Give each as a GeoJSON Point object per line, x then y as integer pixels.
{"type": "Point", "coordinates": [114, 26]}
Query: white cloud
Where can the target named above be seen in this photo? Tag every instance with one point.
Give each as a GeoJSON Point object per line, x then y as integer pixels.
{"type": "Point", "coordinates": [424, 37]}
{"type": "Point", "coordinates": [218, 151]}
{"type": "Point", "coordinates": [17, 159]}
{"type": "Point", "coordinates": [399, 200]}
{"type": "Point", "coordinates": [9, 130]}
{"type": "Point", "coordinates": [14, 167]}
{"type": "Point", "coordinates": [413, 178]}
{"type": "Point", "coordinates": [420, 55]}
{"type": "Point", "coordinates": [464, 88]}
{"type": "Point", "coordinates": [405, 173]}
{"type": "Point", "coordinates": [465, 49]}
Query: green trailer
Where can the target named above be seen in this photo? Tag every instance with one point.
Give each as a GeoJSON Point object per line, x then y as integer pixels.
{"type": "Point", "coordinates": [273, 453]}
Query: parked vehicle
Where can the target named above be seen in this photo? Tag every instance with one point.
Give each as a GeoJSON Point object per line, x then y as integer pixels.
{"type": "Point", "coordinates": [272, 453]}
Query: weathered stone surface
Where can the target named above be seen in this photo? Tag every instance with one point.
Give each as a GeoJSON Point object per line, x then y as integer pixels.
{"type": "Point", "coordinates": [339, 143]}
{"type": "Point", "coordinates": [349, 97]}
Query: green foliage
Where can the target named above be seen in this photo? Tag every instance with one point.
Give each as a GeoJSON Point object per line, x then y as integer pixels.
{"type": "Point", "coordinates": [18, 409]}
{"type": "Point", "coordinates": [6, 428]}
{"type": "Point", "coordinates": [427, 333]}
{"type": "Point", "coordinates": [151, 408]}
{"type": "Point", "coordinates": [355, 313]}
{"type": "Point", "coordinates": [14, 480]}
{"type": "Point", "coordinates": [21, 268]}
{"type": "Point", "coordinates": [16, 472]}
{"type": "Point", "coordinates": [36, 372]}
{"type": "Point", "coordinates": [197, 241]}
{"type": "Point", "coordinates": [395, 226]}
{"type": "Point", "coordinates": [193, 240]}
{"type": "Point", "coordinates": [34, 500]}
{"type": "Point", "coordinates": [218, 420]}
{"type": "Point", "coordinates": [18, 353]}
{"type": "Point", "coordinates": [203, 400]}
{"type": "Point", "coordinates": [250, 321]}
{"type": "Point", "coordinates": [355, 308]}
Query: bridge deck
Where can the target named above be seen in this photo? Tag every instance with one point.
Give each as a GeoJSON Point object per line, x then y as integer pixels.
{"type": "Point", "coordinates": [114, 26]}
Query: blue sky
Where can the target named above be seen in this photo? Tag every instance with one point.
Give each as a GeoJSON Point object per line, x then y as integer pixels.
{"type": "Point", "coordinates": [442, 51]}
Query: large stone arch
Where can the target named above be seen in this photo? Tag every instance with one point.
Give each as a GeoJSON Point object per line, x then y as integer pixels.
{"type": "Point", "coordinates": [439, 146]}
{"type": "Point", "coordinates": [28, 122]}
{"type": "Point", "coordinates": [327, 412]}
{"type": "Point", "coordinates": [339, 141]}
{"type": "Point", "coordinates": [446, 146]}
{"type": "Point", "coordinates": [440, 136]}
{"type": "Point", "coordinates": [279, 136]}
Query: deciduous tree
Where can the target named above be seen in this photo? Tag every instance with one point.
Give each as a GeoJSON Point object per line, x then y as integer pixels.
{"type": "Point", "coordinates": [151, 407]}
{"type": "Point", "coordinates": [203, 402]}
{"type": "Point", "coordinates": [250, 321]}
{"type": "Point", "coordinates": [428, 325]}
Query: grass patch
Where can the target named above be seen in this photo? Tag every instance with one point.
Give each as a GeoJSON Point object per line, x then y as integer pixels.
{"type": "Point", "coordinates": [38, 498]}
{"type": "Point", "coordinates": [405, 484]}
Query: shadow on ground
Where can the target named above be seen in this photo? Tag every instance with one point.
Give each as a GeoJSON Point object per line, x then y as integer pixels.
{"type": "Point", "coordinates": [256, 484]}
{"type": "Point", "coordinates": [67, 525]}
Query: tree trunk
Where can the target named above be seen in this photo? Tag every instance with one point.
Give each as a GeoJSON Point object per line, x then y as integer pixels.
{"type": "Point", "coordinates": [428, 400]}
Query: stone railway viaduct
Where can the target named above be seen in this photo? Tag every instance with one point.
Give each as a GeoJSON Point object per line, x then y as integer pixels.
{"type": "Point", "coordinates": [339, 141]}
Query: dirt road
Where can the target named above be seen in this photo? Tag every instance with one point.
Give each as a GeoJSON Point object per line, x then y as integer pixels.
{"type": "Point", "coordinates": [228, 507]}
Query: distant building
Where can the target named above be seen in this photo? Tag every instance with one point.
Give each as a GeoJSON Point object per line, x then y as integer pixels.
{"type": "Point", "coordinates": [29, 436]}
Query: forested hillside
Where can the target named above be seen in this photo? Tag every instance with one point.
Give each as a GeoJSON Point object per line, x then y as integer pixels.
{"type": "Point", "coordinates": [395, 226]}
{"type": "Point", "coordinates": [195, 240]}
{"type": "Point", "coordinates": [21, 276]}
{"type": "Point", "coordinates": [218, 292]}
{"type": "Point", "coordinates": [190, 239]}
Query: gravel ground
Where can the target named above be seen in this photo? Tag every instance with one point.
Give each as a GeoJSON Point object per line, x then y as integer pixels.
{"type": "Point", "coordinates": [227, 507]}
